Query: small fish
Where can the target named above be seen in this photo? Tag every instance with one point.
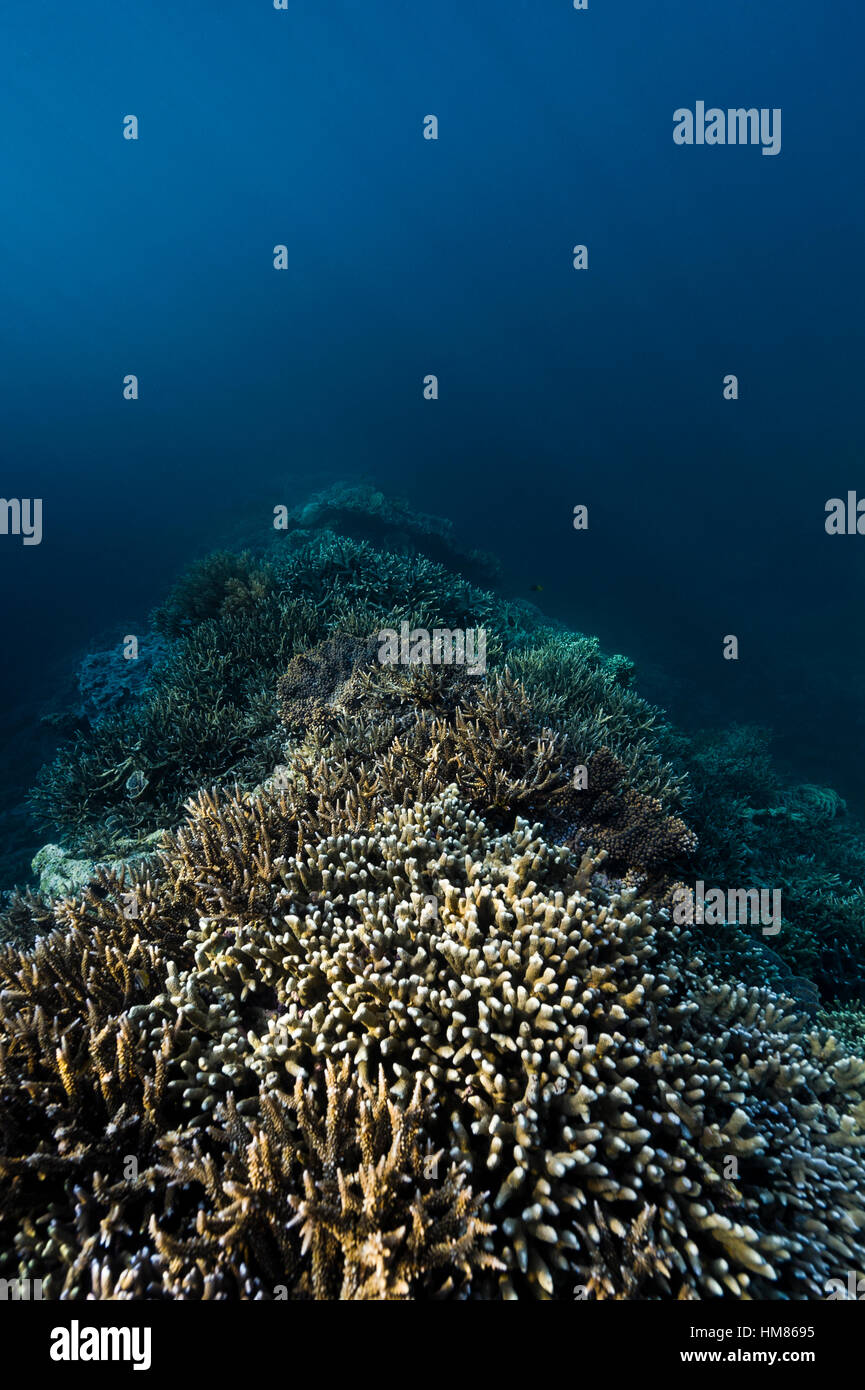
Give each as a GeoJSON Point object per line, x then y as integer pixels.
{"type": "Point", "coordinates": [536, 589]}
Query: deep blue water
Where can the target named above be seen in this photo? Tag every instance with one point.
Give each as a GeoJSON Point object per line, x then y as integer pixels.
{"type": "Point", "coordinates": [409, 256]}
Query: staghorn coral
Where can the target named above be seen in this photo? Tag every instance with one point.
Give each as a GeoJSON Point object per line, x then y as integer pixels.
{"type": "Point", "coordinates": [398, 734]}
{"type": "Point", "coordinates": [109, 1192]}
{"type": "Point", "coordinates": [25, 916]}
{"type": "Point", "coordinates": [487, 746]}
{"type": "Point", "coordinates": [79, 1096]}
{"type": "Point", "coordinates": [625, 1257]}
{"type": "Point", "coordinates": [209, 713]}
{"type": "Point", "coordinates": [335, 1196]}
{"type": "Point", "coordinates": [415, 731]}
{"type": "Point", "coordinates": [378, 1222]}
{"type": "Point", "coordinates": [590, 697]}
{"type": "Point", "coordinates": [847, 1024]}
{"type": "Point", "coordinates": [425, 727]}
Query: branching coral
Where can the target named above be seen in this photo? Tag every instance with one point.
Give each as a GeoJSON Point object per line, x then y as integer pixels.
{"type": "Point", "coordinates": [328, 1197]}
{"type": "Point", "coordinates": [364, 513]}
{"type": "Point", "coordinates": [378, 1220]}
{"type": "Point", "coordinates": [570, 1047]}
{"type": "Point", "coordinates": [847, 1023]}
{"type": "Point", "coordinates": [110, 1191]}
{"type": "Point", "coordinates": [431, 948]}
{"type": "Point", "coordinates": [209, 714]}
{"type": "Point", "coordinates": [406, 1017]}
{"type": "Point", "coordinates": [590, 697]}
{"type": "Point", "coordinates": [625, 1256]}
{"type": "Point", "coordinates": [25, 916]}
{"type": "Point", "coordinates": [416, 731]}
{"type": "Point", "coordinates": [222, 583]}
{"type": "Point", "coordinates": [210, 710]}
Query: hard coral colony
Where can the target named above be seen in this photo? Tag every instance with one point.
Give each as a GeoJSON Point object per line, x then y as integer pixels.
{"type": "Point", "coordinates": [409, 1018]}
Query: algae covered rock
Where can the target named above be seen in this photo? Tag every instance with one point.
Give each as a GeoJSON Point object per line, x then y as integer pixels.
{"type": "Point", "coordinates": [60, 874]}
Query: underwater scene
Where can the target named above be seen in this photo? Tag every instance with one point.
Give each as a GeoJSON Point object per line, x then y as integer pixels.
{"type": "Point", "coordinates": [433, 854]}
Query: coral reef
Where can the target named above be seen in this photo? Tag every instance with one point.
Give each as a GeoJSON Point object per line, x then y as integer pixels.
{"type": "Point", "coordinates": [629, 826]}
{"type": "Point", "coordinates": [62, 876]}
{"type": "Point", "coordinates": [210, 711]}
{"type": "Point", "coordinates": [220, 584]}
{"type": "Point", "coordinates": [590, 696]}
{"type": "Point", "coordinates": [569, 1042]}
{"type": "Point", "coordinates": [317, 685]}
{"type": "Point", "coordinates": [362, 512]}
{"type": "Point", "coordinates": [624, 1256]}
{"type": "Point", "coordinates": [25, 916]}
{"type": "Point", "coordinates": [414, 732]}
{"type": "Point", "coordinates": [205, 715]}
{"type": "Point", "coordinates": [847, 1023]}
{"type": "Point", "coordinates": [396, 1009]}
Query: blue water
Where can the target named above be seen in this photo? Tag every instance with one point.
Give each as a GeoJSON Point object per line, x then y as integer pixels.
{"type": "Point", "coordinates": [408, 256]}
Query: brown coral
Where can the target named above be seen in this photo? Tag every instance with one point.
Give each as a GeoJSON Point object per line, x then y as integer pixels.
{"type": "Point", "coordinates": [630, 827]}
{"type": "Point", "coordinates": [315, 686]}
{"type": "Point", "coordinates": [408, 734]}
